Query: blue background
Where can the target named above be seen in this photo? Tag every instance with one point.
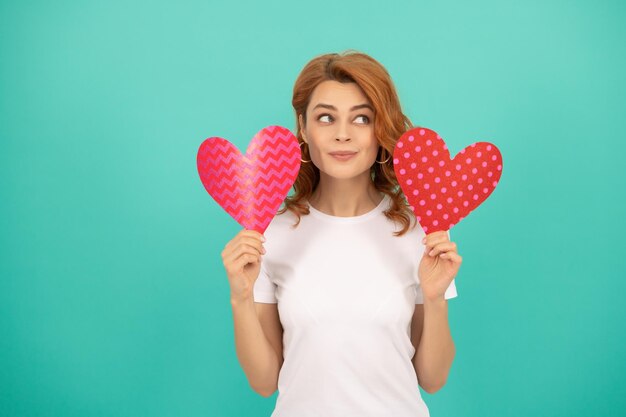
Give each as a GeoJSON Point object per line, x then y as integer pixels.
{"type": "Point", "coordinates": [113, 297]}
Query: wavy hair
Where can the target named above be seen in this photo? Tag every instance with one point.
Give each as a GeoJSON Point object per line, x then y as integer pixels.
{"type": "Point", "coordinates": [389, 124]}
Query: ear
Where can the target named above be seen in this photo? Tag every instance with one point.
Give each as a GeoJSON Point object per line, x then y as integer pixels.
{"type": "Point", "coordinates": [301, 122]}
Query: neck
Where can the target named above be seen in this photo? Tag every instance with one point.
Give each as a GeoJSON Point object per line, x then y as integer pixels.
{"type": "Point", "coordinates": [345, 197]}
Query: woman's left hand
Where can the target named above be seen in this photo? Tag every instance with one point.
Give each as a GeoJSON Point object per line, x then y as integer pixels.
{"type": "Point", "coordinates": [439, 265]}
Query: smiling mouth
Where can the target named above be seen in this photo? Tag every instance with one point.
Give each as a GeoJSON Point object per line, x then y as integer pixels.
{"type": "Point", "coordinates": [343, 156]}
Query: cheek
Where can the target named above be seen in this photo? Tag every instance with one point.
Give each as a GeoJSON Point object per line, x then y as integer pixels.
{"type": "Point", "coordinates": [314, 152]}
{"type": "Point", "coordinates": [373, 146]}
{"type": "Point", "coordinates": [314, 137]}
{"type": "Point", "coordinates": [373, 156]}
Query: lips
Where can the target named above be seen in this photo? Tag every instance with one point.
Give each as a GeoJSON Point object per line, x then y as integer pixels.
{"type": "Point", "coordinates": [342, 153]}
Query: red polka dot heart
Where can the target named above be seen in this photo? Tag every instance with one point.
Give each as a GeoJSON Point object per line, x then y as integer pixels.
{"type": "Point", "coordinates": [441, 191]}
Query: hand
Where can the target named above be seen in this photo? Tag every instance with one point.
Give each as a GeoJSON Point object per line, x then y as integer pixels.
{"type": "Point", "coordinates": [439, 265]}
{"type": "Point", "coordinates": [242, 261]}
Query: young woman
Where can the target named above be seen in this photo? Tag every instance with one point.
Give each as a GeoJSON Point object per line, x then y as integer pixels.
{"type": "Point", "coordinates": [342, 305]}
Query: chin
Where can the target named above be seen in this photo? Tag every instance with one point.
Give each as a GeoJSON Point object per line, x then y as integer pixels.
{"type": "Point", "coordinates": [346, 173]}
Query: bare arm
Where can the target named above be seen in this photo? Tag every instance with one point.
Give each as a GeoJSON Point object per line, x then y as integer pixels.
{"type": "Point", "coordinates": [258, 332]}
{"type": "Point", "coordinates": [258, 342]}
{"type": "Point", "coordinates": [434, 347]}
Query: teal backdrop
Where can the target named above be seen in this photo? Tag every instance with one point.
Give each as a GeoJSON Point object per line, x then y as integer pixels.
{"type": "Point", "coordinates": [113, 297]}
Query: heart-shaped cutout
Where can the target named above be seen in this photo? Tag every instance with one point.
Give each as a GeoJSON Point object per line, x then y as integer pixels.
{"type": "Point", "coordinates": [250, 187]}
{"type": "Point", "coordinates": [441, 191]}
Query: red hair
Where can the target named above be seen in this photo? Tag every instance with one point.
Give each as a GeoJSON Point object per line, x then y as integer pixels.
{"type": "Point", "coordinates": [389, 124]}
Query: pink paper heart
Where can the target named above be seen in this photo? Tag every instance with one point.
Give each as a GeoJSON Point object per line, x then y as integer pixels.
{"type": "Point", "coordinates": [441, 191]}
{"type": "Point", "coordinates": [250, 187]}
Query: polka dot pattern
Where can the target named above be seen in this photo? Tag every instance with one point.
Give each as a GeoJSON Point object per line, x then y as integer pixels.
{"type": "Point", "coordinates": [453, 187]}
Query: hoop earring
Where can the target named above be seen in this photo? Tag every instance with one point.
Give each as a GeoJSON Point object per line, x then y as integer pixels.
{"type": "Point", "coordinates": [303, 143]}
{"type": "Point", "coordinates": [384, 160]}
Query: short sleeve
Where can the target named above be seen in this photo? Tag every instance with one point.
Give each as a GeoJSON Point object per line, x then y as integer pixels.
{"type": "Point", "coordinates": [450, 291]}
{"type": "Point", "coordinates": [264, 290]}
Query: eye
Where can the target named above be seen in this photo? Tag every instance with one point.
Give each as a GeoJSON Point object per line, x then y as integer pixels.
{"type": "Point", "coordinates": [325, 118]}
{"type": "Point", "coordinates": [362, 119]}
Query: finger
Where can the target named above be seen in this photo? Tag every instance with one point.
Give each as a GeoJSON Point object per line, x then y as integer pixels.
{"type": "Point", "coordinates": [243, 249]}
{"type": "Point", "coordinates": [234, 265]}
{"type": "Point", "coordinates": [246, 248]}
{"type": "Point", "coordinates": [240, 262]}
{"type": "Point", "coordinates": [441, 248]}
{"type": "Point", "coordinates": [452, 256]}
{"type": "Point", "coordinates": [434, 238]}
{"type": "Point", "coordinates": [244, 260]}
{"type": "Point", "coordinates": [252, 233]}
{"type": "Point", "coordinates": [252, 239]}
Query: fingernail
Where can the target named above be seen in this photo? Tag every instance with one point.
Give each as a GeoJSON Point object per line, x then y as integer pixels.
{"type": "Point", "coordinates": [262, 238]}
{"type": "Point", "coordinates": [424, 240]}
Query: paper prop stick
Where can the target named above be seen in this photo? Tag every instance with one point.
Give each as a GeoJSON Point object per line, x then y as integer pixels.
{"type": "Point", "coordinates": [250, 187]}
{"type": "Point", "coordinates": [441, 191]}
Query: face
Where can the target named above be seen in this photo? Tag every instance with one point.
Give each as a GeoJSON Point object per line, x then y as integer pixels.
{"type": "Point", "coordinates": [339, 118]}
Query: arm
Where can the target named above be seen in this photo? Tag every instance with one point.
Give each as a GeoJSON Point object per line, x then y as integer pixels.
{"type": "Point", "coordinates": [258, 342]}
{"type": "Point", "coordinates": [434, 347]}
{"type": "Point", "coordinates": [258, 332]}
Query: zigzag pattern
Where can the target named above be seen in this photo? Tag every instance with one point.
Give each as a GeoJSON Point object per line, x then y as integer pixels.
{"type": "Point", "coordinates": [250, 187]}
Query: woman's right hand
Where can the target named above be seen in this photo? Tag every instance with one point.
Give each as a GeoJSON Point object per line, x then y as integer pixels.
{"type": "Point", "coordinates": [242, 261]}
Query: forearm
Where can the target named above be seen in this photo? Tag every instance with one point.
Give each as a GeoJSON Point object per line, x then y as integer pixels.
{"type": "Point", "coordinates": [256, 355]}
{"type": "Point", "coordinates": [434, 356]}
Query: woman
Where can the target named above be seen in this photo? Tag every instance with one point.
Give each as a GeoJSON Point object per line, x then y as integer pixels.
{"type": "Point", "coordinates": [345, 313]}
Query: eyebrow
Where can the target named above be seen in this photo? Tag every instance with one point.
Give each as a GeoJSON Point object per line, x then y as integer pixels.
{"type": "Point", "coordinates": [357, 107]}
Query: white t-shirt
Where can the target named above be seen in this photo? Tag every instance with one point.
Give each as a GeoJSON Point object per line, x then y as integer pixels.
{"type": "Point", "coordinates": [346, 290]}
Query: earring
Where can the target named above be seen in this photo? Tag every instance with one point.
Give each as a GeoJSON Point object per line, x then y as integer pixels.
{"type": "Point", "coordinates": [303, 143]}
{"type": "Point", "coordinates": [384, 160]}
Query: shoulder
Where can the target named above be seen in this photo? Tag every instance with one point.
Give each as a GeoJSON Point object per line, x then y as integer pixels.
{"type": "Point", "coordinates": [282, 223]}
{"type": "Point", "coordinates": [283, 238]}
{"type": "Point", "coordinates": [414, 231]}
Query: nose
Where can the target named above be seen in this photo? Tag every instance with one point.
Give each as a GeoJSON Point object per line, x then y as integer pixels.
{"type": "Point", "coordinates": [342, 133]}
